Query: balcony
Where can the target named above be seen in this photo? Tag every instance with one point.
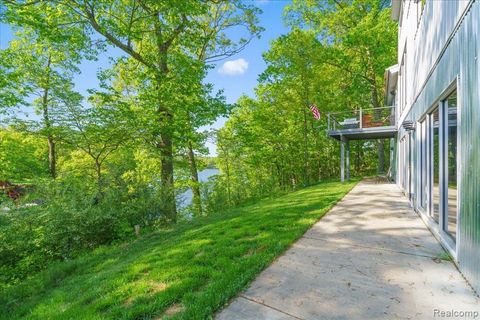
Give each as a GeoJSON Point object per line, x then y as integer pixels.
{"type": "Point", "coordinates": [370, 123]}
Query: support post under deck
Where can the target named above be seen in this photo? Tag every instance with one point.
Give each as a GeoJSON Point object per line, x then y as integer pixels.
{"type": "Point", "coordinates": [342, 160]}
{"type": "Point", "coordinates": [347, 144]}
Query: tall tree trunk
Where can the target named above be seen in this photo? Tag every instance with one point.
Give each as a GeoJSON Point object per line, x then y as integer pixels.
{"type": "Point", "coordinates": [52, 157]}
{"type": "Point", "coordinates": [166, 176]}
{"type": "Point", "coordinates": [195, 185]}
{"type": "Point", "coordinates": [165, 122]}
{"type": "Point", "coordinates": [165, 146]}
{"type": "Point", "coordinates": [98, 171]}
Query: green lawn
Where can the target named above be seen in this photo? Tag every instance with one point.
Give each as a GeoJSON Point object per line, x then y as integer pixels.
{"type": "Point", "coordinates": [186, 272]}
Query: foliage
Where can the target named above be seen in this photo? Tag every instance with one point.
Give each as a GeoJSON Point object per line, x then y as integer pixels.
{"type": "Point", "coordinates": [187, 271]}
{"type": "Point", "coordinates": [121, 154]}
{"type": "Point", "coordinates": [208, 161]}
{"type": "Point", "coordinates": [166, 49]}
{"type": "Point", "coordinates": [112, 157]}
{"type": "Point", "coordinates": [70, 222]}
{"type": "Point", "coordinates": [22, 156]}
{"type": "Point", "coordinates": [334, 57]}
{"type": "Point", "coordinates": [40, 64]}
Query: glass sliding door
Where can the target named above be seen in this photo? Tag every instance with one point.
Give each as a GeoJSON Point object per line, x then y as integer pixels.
{"type": "Point", "coordinates": [438, 164]}
{"type": "Point", "coordinates": [423, 147]}
{"type": "Point", "coordinates": [410, 141]}
{"type": "Point", "coordinates": [434, 156]}
{"type": "Point", "coordinates": [450, 108]}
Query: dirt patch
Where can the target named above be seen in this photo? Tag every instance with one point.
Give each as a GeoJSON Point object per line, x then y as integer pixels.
{"type": "Point", "coordinates": [172, 310]}
{"type": "Point", "coordinates": [128, 302]}
{"type": "Point", "coordinates": [252, 251]}
{"type": "Point", "coordinates": [157, 286]}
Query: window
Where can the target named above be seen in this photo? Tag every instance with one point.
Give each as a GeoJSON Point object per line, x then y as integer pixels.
{"type": "Point", "coordinates": [423, 147]}
{"type": "Point", "coordinates": [438, 164]}
{"type": "Point", "coordinates": [435, 163]}
{"type": "Point", "coordinates": [450, 107]}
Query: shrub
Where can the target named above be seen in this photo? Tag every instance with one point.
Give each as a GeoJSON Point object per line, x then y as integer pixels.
{"type": "Point", "coordinates": [71, 222]}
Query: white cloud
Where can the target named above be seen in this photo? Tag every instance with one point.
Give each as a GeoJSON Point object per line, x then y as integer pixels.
{"type": "Point", "coordinates": [234, 67]}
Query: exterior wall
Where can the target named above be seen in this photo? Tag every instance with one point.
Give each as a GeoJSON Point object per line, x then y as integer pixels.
{"type": "Point", "coordinates": [443, 49]}
{"type": "Point", "coordinates": [423, 36]}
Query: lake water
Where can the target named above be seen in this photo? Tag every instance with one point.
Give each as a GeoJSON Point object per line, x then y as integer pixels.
{"type": "Point", "coordinates": [185, 198]}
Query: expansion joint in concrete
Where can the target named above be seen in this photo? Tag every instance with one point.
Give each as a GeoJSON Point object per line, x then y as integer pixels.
{"type": "Point", "coordinates": [267, 306]}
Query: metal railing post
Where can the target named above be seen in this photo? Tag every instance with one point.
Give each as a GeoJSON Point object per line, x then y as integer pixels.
{"type": "Point", "coordinates": [328, 117]}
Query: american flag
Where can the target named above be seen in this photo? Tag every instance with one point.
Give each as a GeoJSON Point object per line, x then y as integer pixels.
{"type": "Point", "coordinates": [316, 113]}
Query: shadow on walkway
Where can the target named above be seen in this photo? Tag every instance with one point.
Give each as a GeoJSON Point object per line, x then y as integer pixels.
{"type": "Point", "coordinates": [370, 257]}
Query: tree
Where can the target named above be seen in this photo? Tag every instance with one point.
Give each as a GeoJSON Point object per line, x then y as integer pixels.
{"type": "Point", "coordinates": [359, 38]}
{"type": "Point", "coordinates": [160, 39]}
{"type": "Point", "coordinates": [214, 45]}
{"type": "Point", "coordinates": [334, 56]}
{"type": "Point", "coordinates": [201, 109]}
{"type": "Point", "coordinates": [39, 65]}
{"type": "Point", "coordinates": [98, 131]}
{"type": "Point", "coordinates": [149, 33]}
{"type": "Point", "coordinates": [21, 155]}
{"type": "Point", "coordinates": [293, 58]}
{"type": "Point", "coordinates": [8, 93]}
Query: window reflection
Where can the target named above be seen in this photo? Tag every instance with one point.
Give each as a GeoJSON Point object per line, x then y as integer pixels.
{"type": "Point", "coordinates": [435, 161]}
{"type": "Point", "coordinates": [451, 107]}
{"type": "Point", "coordinates": [423, 164]}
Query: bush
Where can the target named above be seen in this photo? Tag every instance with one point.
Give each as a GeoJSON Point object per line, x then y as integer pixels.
{"type": "Point", "coordinates": [71, 222]}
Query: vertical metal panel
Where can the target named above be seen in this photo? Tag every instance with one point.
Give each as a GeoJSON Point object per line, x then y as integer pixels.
{"type": "Point", "coordinates": [424, 38]}
{"type": "Point", "coordinates": [469, 128]}
{"type": "Point", "coordinates": [439, 58]}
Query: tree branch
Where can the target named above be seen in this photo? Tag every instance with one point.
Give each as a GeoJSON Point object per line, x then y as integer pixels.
{"type": "Point", "coordinates": [90, 14]}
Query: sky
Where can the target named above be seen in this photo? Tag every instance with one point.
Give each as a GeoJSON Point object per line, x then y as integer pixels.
{"type": "Point", "coordinates": [236, 75]}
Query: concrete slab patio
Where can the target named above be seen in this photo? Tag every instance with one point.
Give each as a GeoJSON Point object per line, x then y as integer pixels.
{"type": "Point", "coordinates": [370, 257]}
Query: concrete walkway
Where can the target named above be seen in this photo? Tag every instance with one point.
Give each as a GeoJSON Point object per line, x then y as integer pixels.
{"type": "Point", "coordinates": [370, 257]}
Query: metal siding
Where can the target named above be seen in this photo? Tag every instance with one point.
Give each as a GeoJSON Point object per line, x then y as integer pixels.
{"type": "Point", "coordinates": [425, 40]}
{"type": "Point", "coordinates": [469, 236]}
{"type": "Point", "coordinates": [460, 59]}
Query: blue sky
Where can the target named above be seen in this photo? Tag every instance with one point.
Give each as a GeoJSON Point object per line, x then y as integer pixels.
{"type": "Point", "coordinates": [235, 76]}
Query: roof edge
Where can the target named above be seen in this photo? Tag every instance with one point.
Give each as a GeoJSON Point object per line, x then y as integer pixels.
{"type": "Point", "coordinates": [391, 75]}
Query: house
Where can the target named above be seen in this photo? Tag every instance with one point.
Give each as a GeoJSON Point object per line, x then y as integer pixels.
{"type": "Point", "coordinates": [434, 95]}
{"type": "Point", "coordinates": [436, 91]}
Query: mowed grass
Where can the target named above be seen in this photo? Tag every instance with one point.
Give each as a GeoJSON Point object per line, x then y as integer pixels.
{"type": "Point", "coordinates": [188, 271]}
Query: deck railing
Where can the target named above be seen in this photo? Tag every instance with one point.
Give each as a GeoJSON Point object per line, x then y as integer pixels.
{"type": "Point", "coordinates": [362, 118]}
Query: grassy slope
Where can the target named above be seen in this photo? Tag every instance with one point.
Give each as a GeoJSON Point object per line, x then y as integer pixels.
{"type": "Point", "coordinates": [189, 271]}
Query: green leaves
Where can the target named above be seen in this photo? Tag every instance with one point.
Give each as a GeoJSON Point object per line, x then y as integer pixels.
{"type": "Point", "coordinates": [157, 82]}
{"type": "Point", "coordinates": [22, 156]}
{"type": "Point", "coordinates": [334, 56]}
